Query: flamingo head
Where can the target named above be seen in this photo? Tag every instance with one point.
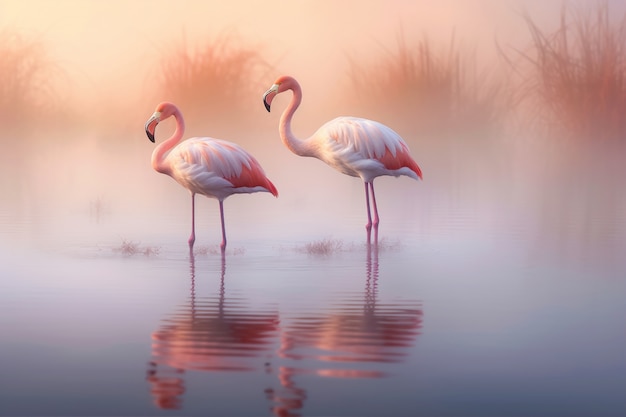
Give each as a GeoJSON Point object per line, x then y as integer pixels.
{"type": "Point", "coordinates": [282, 84]}
{"type": "Point", "coordinates": [162, 112]}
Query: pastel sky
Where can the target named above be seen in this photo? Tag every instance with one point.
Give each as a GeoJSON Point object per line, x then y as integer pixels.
{"type": "Point", "coordinates": [99, 42]}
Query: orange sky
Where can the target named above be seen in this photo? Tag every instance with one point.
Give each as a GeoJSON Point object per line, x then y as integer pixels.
{"type": "Point", "coordinates": [110, 47]}
{"type": "Point", "coordinates": [98, 42]}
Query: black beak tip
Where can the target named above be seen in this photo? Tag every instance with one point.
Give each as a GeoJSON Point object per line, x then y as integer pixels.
{"type": "Point", "coordinates": [150, 136]}
{"type": "Point", "coordinates": [267, 106]}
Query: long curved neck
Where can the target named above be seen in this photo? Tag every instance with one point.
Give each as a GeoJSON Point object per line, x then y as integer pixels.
{"type": "Point", "coordinates": [295, 145]}
{"type": "Point", "coordinates": [158, 156]}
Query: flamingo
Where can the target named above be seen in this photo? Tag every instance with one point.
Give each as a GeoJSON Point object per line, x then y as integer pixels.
{"type": "Point", "coordinates": [211, 167]}
{"type": "Point", "coordinates": [353, 146]}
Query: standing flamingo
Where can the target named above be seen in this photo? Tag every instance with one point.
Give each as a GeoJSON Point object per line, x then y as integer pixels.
{"type": "Point", "coordinates": [211, 167]}
{"type": "Point", "coordinates": [356, 147]}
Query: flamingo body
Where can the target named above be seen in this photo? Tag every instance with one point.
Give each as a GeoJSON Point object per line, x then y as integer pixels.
{"type": "Point", "coordinates": [364, 148]}
{"type": "Point", "coordinates": [353, 146]}
{"type": "Point", "coordinates": [211, 167]}
{"type": "Point", "coordinates": [217, 169]}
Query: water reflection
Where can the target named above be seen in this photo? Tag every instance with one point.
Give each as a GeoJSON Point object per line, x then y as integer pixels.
{"type": "Point", "coordinates": [215, 333]}
{"type": "Point", "coordinates": [347, 341]}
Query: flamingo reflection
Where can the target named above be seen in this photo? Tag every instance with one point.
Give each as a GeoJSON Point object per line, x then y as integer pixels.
{"type": "Point", "coordinates": [348, 341]}
{"type": "Point", "coordinates": [207, 334]}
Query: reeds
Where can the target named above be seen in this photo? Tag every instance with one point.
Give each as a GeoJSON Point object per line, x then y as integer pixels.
{"type": "Point", "coordinates": [130, 248]}
{"type": "Point", "coordinates": [27, 74]}
{"type": "Point", "coordinates": [212, 82]}
{"type": "Point", "coordinates": [436, 88]}
{"type": "Point", "coordinates": [573, 79]}
{"type": "Point", "coordinates": [322, 247]}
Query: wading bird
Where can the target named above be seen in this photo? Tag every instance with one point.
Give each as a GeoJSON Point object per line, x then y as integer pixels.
{"type": "Point", "coordinates": [211, 167]}
{"type": "Point", "coordinates": [356, 147]}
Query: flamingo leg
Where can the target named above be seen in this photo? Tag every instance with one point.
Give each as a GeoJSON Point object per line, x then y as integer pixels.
{"type": "Point", "coordinates": [372, 242]}
{"type": "Point", "coordinates": [368, 225]}
{"type": "Point", "coordinates": [376, 218]}
{"type": "Point", "coordinates": [223, 244]}
{"type": "Point", "coordinates": [192, 238]}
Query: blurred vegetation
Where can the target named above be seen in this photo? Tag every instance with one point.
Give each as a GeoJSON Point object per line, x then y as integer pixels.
{"type": "Point", "coordinates": [569, 82]}
{"type": "Point", "coordinates": [572, 81]}
{"type": "Point", "coordinates": [214, 84]}
{"type": "Point", "coordinates": [28, 98]}
{"type": "Point", "coordinates": [440, 90]}
{"type": "Point", "coordinates": [569, 87]}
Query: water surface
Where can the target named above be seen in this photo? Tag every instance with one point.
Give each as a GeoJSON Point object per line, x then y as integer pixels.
{"type": "Point", "coordinates": [473, 300]}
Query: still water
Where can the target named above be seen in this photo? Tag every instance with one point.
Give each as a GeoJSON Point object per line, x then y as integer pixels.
{"type": "Point", "coordinates": [472, 303]}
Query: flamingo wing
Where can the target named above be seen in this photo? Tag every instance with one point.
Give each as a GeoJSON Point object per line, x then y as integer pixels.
{"type": "Point", "coordinates": [217, 168]}
{"type": "Point", "coordinates": [365, 148]}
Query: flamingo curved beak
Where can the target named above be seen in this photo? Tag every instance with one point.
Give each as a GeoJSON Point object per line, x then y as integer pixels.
{"type": "Point", "coordinates": [269, 96]}
{"type": "Point", "coordinates": [151, 125]}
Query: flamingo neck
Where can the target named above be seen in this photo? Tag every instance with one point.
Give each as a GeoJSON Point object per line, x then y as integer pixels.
{"type": "Point", "coordinates": [295, 145]}
{"type": "Point", "coordinates": [159, 157]}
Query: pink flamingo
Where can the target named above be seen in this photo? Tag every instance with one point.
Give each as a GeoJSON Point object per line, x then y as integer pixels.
{"type": "Point", "coordinates": [353, 146]}
{"type": "Point", "coordinates": [211, 167]}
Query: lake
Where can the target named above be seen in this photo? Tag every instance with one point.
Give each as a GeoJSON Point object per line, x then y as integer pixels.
{"type": "Point", "coordinates": [482, 295]}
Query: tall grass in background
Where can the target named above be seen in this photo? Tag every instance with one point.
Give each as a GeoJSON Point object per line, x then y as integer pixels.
{"type": "Point", "coordinates": [28, 98]}
{"type": "Point", "coordinates": [570, 91]}
{"type": "Point", "coordinates": [216, 83]}
{"type": "Point", "coordinates": [439, 90]}
{"type": "Point", "coordinates": [29, 107]}
{"type": "Point", "coordinates": [572, 80]}
{"type": "Point", "coordinates": [449, 109]}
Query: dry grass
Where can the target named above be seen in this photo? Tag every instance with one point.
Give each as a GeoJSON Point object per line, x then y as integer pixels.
{"type": "Point", "coordinates": [329, 246]}
{"type": "Point", "coordinates": [322, 247]}
{"type": "Point", "coordinates": [572, 80]}
{"type": "Point", "coordinates": [214, 82]}
{"type": "Point", "coordinates": [27, 75]}
{"type": "Point", "coordinates": [438, 89]}
{"type": "Point", "coordinates": [130, 248]}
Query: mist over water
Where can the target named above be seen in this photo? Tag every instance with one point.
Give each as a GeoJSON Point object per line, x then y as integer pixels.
{"type": "Point", "coordinates": [495, 285]}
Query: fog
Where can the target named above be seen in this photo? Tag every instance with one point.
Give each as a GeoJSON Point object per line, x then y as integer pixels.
{"type": "Point", "coordinates": [91, 162]}
{"type": "Point", "coordinates": [111, 43]}
{"type": "Point", "coordinates": [111, 48]}
{"type": "Point", "coordinates": [494, 286]}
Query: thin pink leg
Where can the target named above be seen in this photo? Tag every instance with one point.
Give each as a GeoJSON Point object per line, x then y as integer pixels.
{"type": "Point", "coordinates": [192, 238]}
{"type": "Point", "coordinates": [223, 244]}
{"type": "Point", "coordinates": [376, 218]}
{"type": "Point", "coordinates": [368, 226]}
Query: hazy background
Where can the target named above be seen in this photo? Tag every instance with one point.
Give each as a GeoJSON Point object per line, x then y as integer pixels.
{"type": "Point", "coordinates": [109, 49]}
{"type": "Point", "coordinates": [75, 148]}
{"type": "Point", "coordinates": [106, 43]}
{"type": "Point", "coordinates": [498, 283]}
